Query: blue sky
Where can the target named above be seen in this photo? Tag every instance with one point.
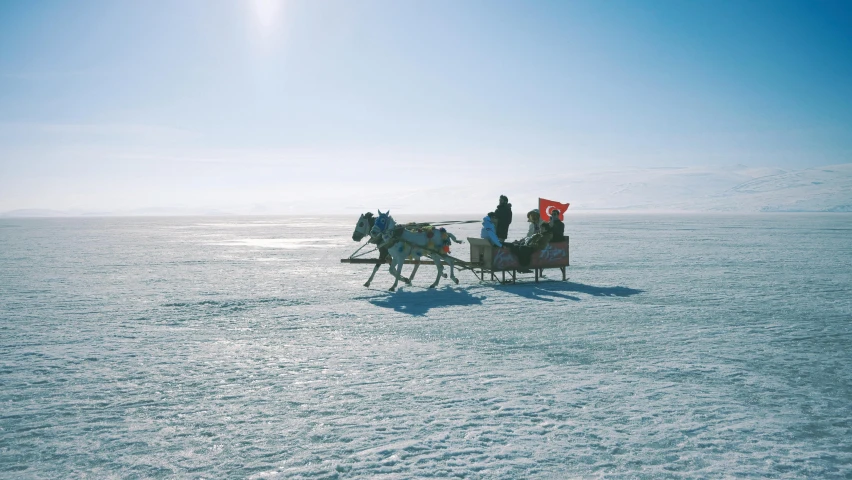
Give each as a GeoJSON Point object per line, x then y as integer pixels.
{"type": "Point", "coordinates": [157, 103]}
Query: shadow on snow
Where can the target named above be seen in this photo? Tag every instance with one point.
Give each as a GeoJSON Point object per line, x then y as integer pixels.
{"type": "Point", "coordinates": [419, 302]}
{"type": "Point", "coordinates": [548, 291]}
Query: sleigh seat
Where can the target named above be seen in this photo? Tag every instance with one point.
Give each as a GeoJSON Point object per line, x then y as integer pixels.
{"type": "Point", "coordinates": [491, 260]}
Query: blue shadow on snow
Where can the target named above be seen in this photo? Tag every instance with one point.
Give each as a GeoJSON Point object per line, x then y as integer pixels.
{"type": "Point", "coordinates": [419, 302]}
{"type": "Point", "coordinates": [547, 291]}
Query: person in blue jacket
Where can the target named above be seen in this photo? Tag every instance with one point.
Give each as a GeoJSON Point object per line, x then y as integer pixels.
{"type": "Point", "coordinates": [488, 230]}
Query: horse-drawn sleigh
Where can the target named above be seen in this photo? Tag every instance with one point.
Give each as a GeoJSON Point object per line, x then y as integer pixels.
{"type": "Point", "coordinates": [406, 244]}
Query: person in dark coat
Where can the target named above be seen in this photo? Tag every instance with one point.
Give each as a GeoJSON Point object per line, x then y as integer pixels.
{"type": "Point", "coordinates": [503, 213]}
{"type": "Point", "coordinates": [556, 227]}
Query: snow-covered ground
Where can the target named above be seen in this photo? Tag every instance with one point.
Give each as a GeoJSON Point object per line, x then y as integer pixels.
{"type": "Point", "coordinates": [682, 346]}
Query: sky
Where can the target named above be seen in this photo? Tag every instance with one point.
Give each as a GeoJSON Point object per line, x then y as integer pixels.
{"type": "Point", "coordinates": [108, 106]}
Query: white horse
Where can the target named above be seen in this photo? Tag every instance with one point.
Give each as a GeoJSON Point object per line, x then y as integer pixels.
{"type": "Point", "coordinates": [362, 229]}
{"type": "Point", "coordinates": [403, 243]}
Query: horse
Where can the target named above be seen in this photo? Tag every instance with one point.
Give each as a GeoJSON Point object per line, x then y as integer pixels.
{"type": "Point", "coordinates": [402, 243]}
{"type": "Point", "coordinates": [362, 229]}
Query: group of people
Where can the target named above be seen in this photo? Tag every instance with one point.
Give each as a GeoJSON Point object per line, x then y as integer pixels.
{"type": "Point", "coordinates": [495, 228]}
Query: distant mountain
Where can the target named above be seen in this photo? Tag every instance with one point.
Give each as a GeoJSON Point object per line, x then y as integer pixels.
{"type": "Point", "coordinates": [737, 189]}
{"type": "Point", "coordinates": [36, 212]}
{"type": "Point", "coordinates": [689, 189]}
{"type": "Point", "coordinates": [172, 212]}
{"type": "Point", "coordinates": [824, 189]}
{"type": "Point", "coordinates": [139, 212]}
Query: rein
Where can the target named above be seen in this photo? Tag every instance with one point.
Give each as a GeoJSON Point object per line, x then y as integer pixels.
{"type": "Point", "coordinates": [355, 254]}
{"type": "Point", "coordinates": [446, 222]}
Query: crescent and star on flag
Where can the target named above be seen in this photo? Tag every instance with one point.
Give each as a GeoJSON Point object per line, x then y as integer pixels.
{"type": "Point", "coordinates": [545, 206]}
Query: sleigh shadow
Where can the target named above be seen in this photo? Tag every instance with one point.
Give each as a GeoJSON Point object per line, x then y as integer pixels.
{"type": "Point", "coordinates": [550, 291]}
{"type": "Point", "coordinates": [419, 302]}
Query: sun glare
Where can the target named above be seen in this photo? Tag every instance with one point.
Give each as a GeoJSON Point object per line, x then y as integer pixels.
{"type": "Point", "coordinates": [267, 13]}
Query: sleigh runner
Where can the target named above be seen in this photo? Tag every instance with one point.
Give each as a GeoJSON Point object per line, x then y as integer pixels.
{"type": "Point", "coordinates": [490, 263]}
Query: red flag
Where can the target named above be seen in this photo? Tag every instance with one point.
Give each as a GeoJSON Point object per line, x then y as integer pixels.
{"type": "Point", "coordinates": [545, 206]}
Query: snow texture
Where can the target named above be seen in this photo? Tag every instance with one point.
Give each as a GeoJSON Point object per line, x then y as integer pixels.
{"type": "Point", "coordinates": [681, 347]}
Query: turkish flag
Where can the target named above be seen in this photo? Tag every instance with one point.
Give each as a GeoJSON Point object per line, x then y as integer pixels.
{"type": "Point", "coordinates": [545, 206]}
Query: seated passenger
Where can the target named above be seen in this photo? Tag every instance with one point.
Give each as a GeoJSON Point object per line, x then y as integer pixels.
{"type": "Point", "coordinates": [488, 230]}
{"type": "Point", "coordinates": [534, 219]}
{"type": "Point", "coordinates": [556, 226]}
{"type": "Point", "coordinates": [530, 245]}
{"type": "Point", "coordinates": [535, 227]}
{"type": "Point", "coordinates": [540, 240]}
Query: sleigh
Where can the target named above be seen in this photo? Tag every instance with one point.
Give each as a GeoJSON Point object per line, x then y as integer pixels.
{"type": "Point", "coordinates": [408, 243]}
{"type": "Point", "coordinates": [487, 261]}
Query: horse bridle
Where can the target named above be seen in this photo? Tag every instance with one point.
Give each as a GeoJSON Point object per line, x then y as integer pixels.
{"type": "Point", "coordinates": [381, 222]}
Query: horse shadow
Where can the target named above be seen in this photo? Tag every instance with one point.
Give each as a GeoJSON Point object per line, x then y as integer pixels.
{"type": "Point", "coordinates": [419, 302]}
{"type": "Point", "coordinates": [549, 291]}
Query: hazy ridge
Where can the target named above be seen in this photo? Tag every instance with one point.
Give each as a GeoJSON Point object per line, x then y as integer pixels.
{"type": "Point", "coordinates": [738, 189]}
